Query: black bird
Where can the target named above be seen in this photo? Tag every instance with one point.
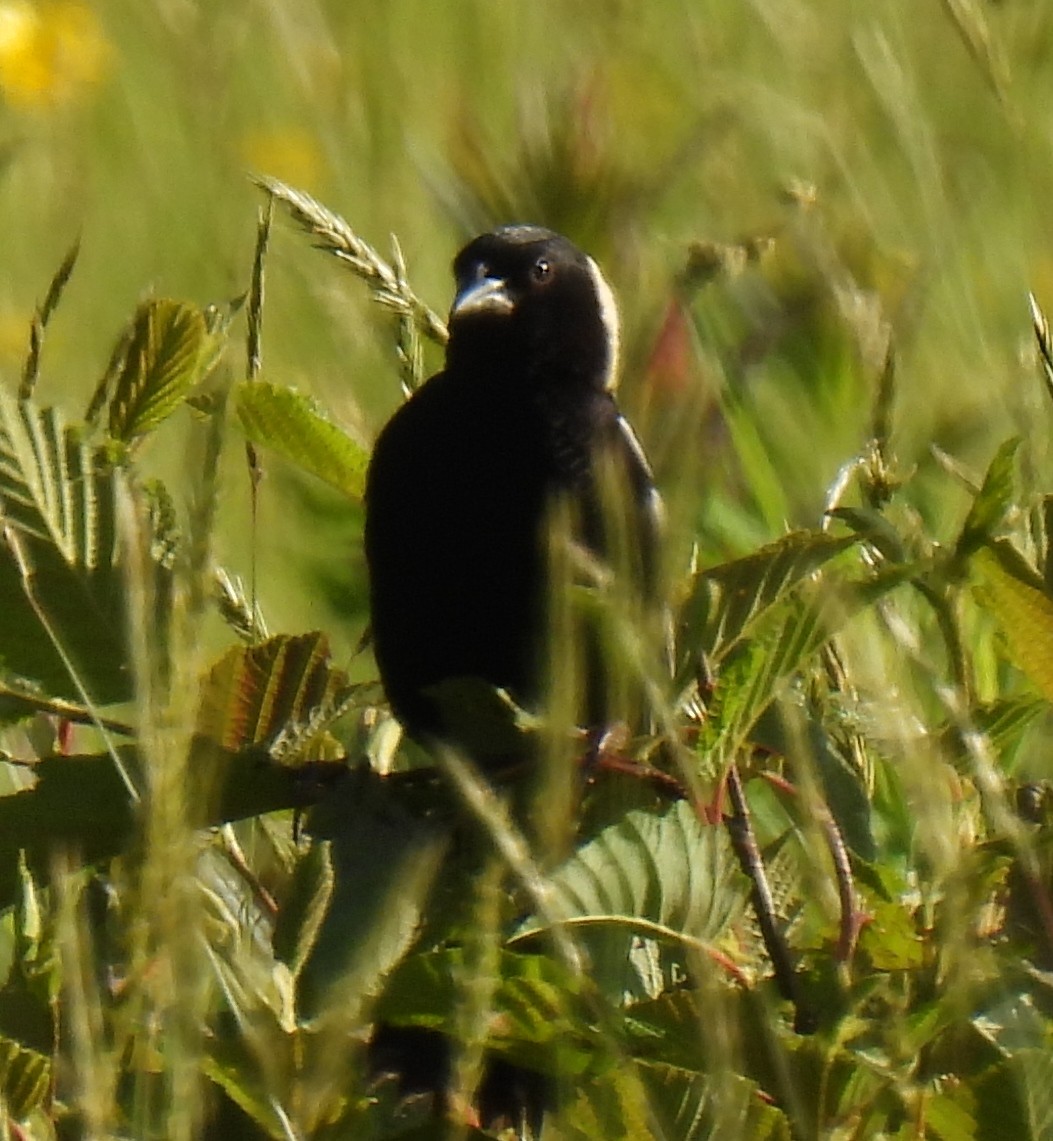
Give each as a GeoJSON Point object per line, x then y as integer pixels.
{"type": "Point", "coordinates": [465, 475]}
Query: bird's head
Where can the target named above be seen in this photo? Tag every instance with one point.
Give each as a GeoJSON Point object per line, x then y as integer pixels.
{"type": "Point", "coordinates": [529, 303]}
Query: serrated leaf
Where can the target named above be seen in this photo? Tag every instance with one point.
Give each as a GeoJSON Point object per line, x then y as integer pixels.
{"type": "Point", "coordinates": [1011, 591]}
{"type": "Point", "coordinates": [890, 939]}
{"type": "Point", "coordinates": [1008, 1102]}
{"type": "Point", "coordinates": [167, 347]}
{"type": "Point", "coordinates": [1003, 723]}
{"type": "Point", "coordinates": [541, 1016]}
{"type": "Point", "coordinates": [843, 789]}
{"type": "Point", "coordinates": [58, 543]}
{"type": "Point", "coordinates": [1035, 1073]}
{"type": "Point", "coordinates": [53, 486]}
{"type": "Point", "coordinates": [300, 919]}
{"type": "Point", "coordinates": [294, 427]}
{"type": "Point", "coordinates": [613, 1106]}
{"type": "Point", "coordinates": [663, 876]}
{"type": "Point", "coordinates": [281, 694]}
{"type": "Point", "coordinates": [385, 855]}
{"type": "Point", "coordinates": [233, 1069]}
{"type": "Point", "coordinates": [728, 600]}
{"type": "Point", "coordinates": [994, 499]}
{"type": "Point", "coordinates": [665, 1029]}
{"type": "Point", "coordinates": [756, 673]}
{"type": "Point", "coordinates": [25, 1079]}
{"type": "Point", "coordinates": [700, 1107]}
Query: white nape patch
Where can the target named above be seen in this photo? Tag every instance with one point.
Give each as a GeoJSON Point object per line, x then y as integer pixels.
{"type": "Point", "coordinates": [609, 317]}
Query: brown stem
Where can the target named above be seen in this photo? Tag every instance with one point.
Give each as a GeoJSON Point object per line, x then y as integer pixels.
{"type": "Point", "coordinates": [744, 842]}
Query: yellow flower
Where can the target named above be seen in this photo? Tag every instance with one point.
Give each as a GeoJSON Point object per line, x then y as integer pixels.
{"type": "Point", "coordinates": [292, 155]}
{"type": "Point", "coordinates": [49, 52]}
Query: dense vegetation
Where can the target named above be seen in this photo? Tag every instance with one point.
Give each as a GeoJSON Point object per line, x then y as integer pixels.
{"type": "Point", "coordinates": [816, 900]}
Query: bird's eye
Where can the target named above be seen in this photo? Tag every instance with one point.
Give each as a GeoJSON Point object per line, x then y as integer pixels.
{"type": "Point", "coordinates": [542, 269]}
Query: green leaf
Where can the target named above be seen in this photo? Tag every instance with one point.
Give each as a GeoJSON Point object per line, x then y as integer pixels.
{"type": "Point", "coordinates": [59, 549]}
{"type": "Point", "coordinates": [76, 802]}
{"type": "Point", "coordinates": [994, 500]}
{"type": "Point", "coordinates": [1035, 1074]}
{"type": "Point", "coordinates": [167, 348]}
{"type": "Point", "coordinates": [542, 1016]}
{"type": "Point", "coordinates": [681, 1043]}
{"type": "Point", "coordinates": [234, 1070]}
{"type": "Point", "coordinates": [295, 428]}
{"type": "Point", "coordinates": [728, 600]}
{"type": "Point", "coordinates": [1004, 723]}
{"type": "Point", "coordinates": [701, 1107]}
{"type": "Point", "coordinates": [82, 803]}
{"type": "Point", "coordinates": [950, 1114]}
{"type": "Point", "coordinates": [752, 680]}
{"type": "Point", "coordinates": [757, 672]}
{"type": "Point", "coordinates": [666, 879]}
{"type": "Point", "coordinates": [665, 1031]}
{"type": "Point", "coordinates": [300, 920]}
{"type": "Point", "coordinates": [384, 855]}
{"type": "Point", "coordinates": [1015, 1098]}
{"type": "Point", "coordinates": [890, 939]}
{"type": "Point", "coordinates": [1012, 592]}
{"type": "Point", "coordinates": [613, 1106]}
{"type": "Point", "coordinates": [843, 789]}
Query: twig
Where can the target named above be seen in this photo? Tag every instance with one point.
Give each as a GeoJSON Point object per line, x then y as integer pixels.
{"type": "Point", "coordinates": [851, 918]}
{"type": "Point", "coordinates": [67, 710]}
{"type": "Point", "coordinates": [744, 842]}
{"type": "Point", "coordinates": [235, 856]}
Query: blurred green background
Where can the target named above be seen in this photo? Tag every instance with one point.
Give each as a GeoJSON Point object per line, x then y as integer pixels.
{"type": "Point", "coordinates": [855, 172]}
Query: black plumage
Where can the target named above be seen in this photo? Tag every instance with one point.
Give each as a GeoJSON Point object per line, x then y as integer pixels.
{"type": "Point", "coordinates": [464, 476]}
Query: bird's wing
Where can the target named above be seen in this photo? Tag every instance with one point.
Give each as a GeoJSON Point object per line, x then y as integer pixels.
{"type": "Point", "coordinates": [640, 482]}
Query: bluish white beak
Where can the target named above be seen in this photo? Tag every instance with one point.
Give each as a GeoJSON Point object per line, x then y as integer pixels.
{"type": "Point", "coordinates": [487, 295]}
